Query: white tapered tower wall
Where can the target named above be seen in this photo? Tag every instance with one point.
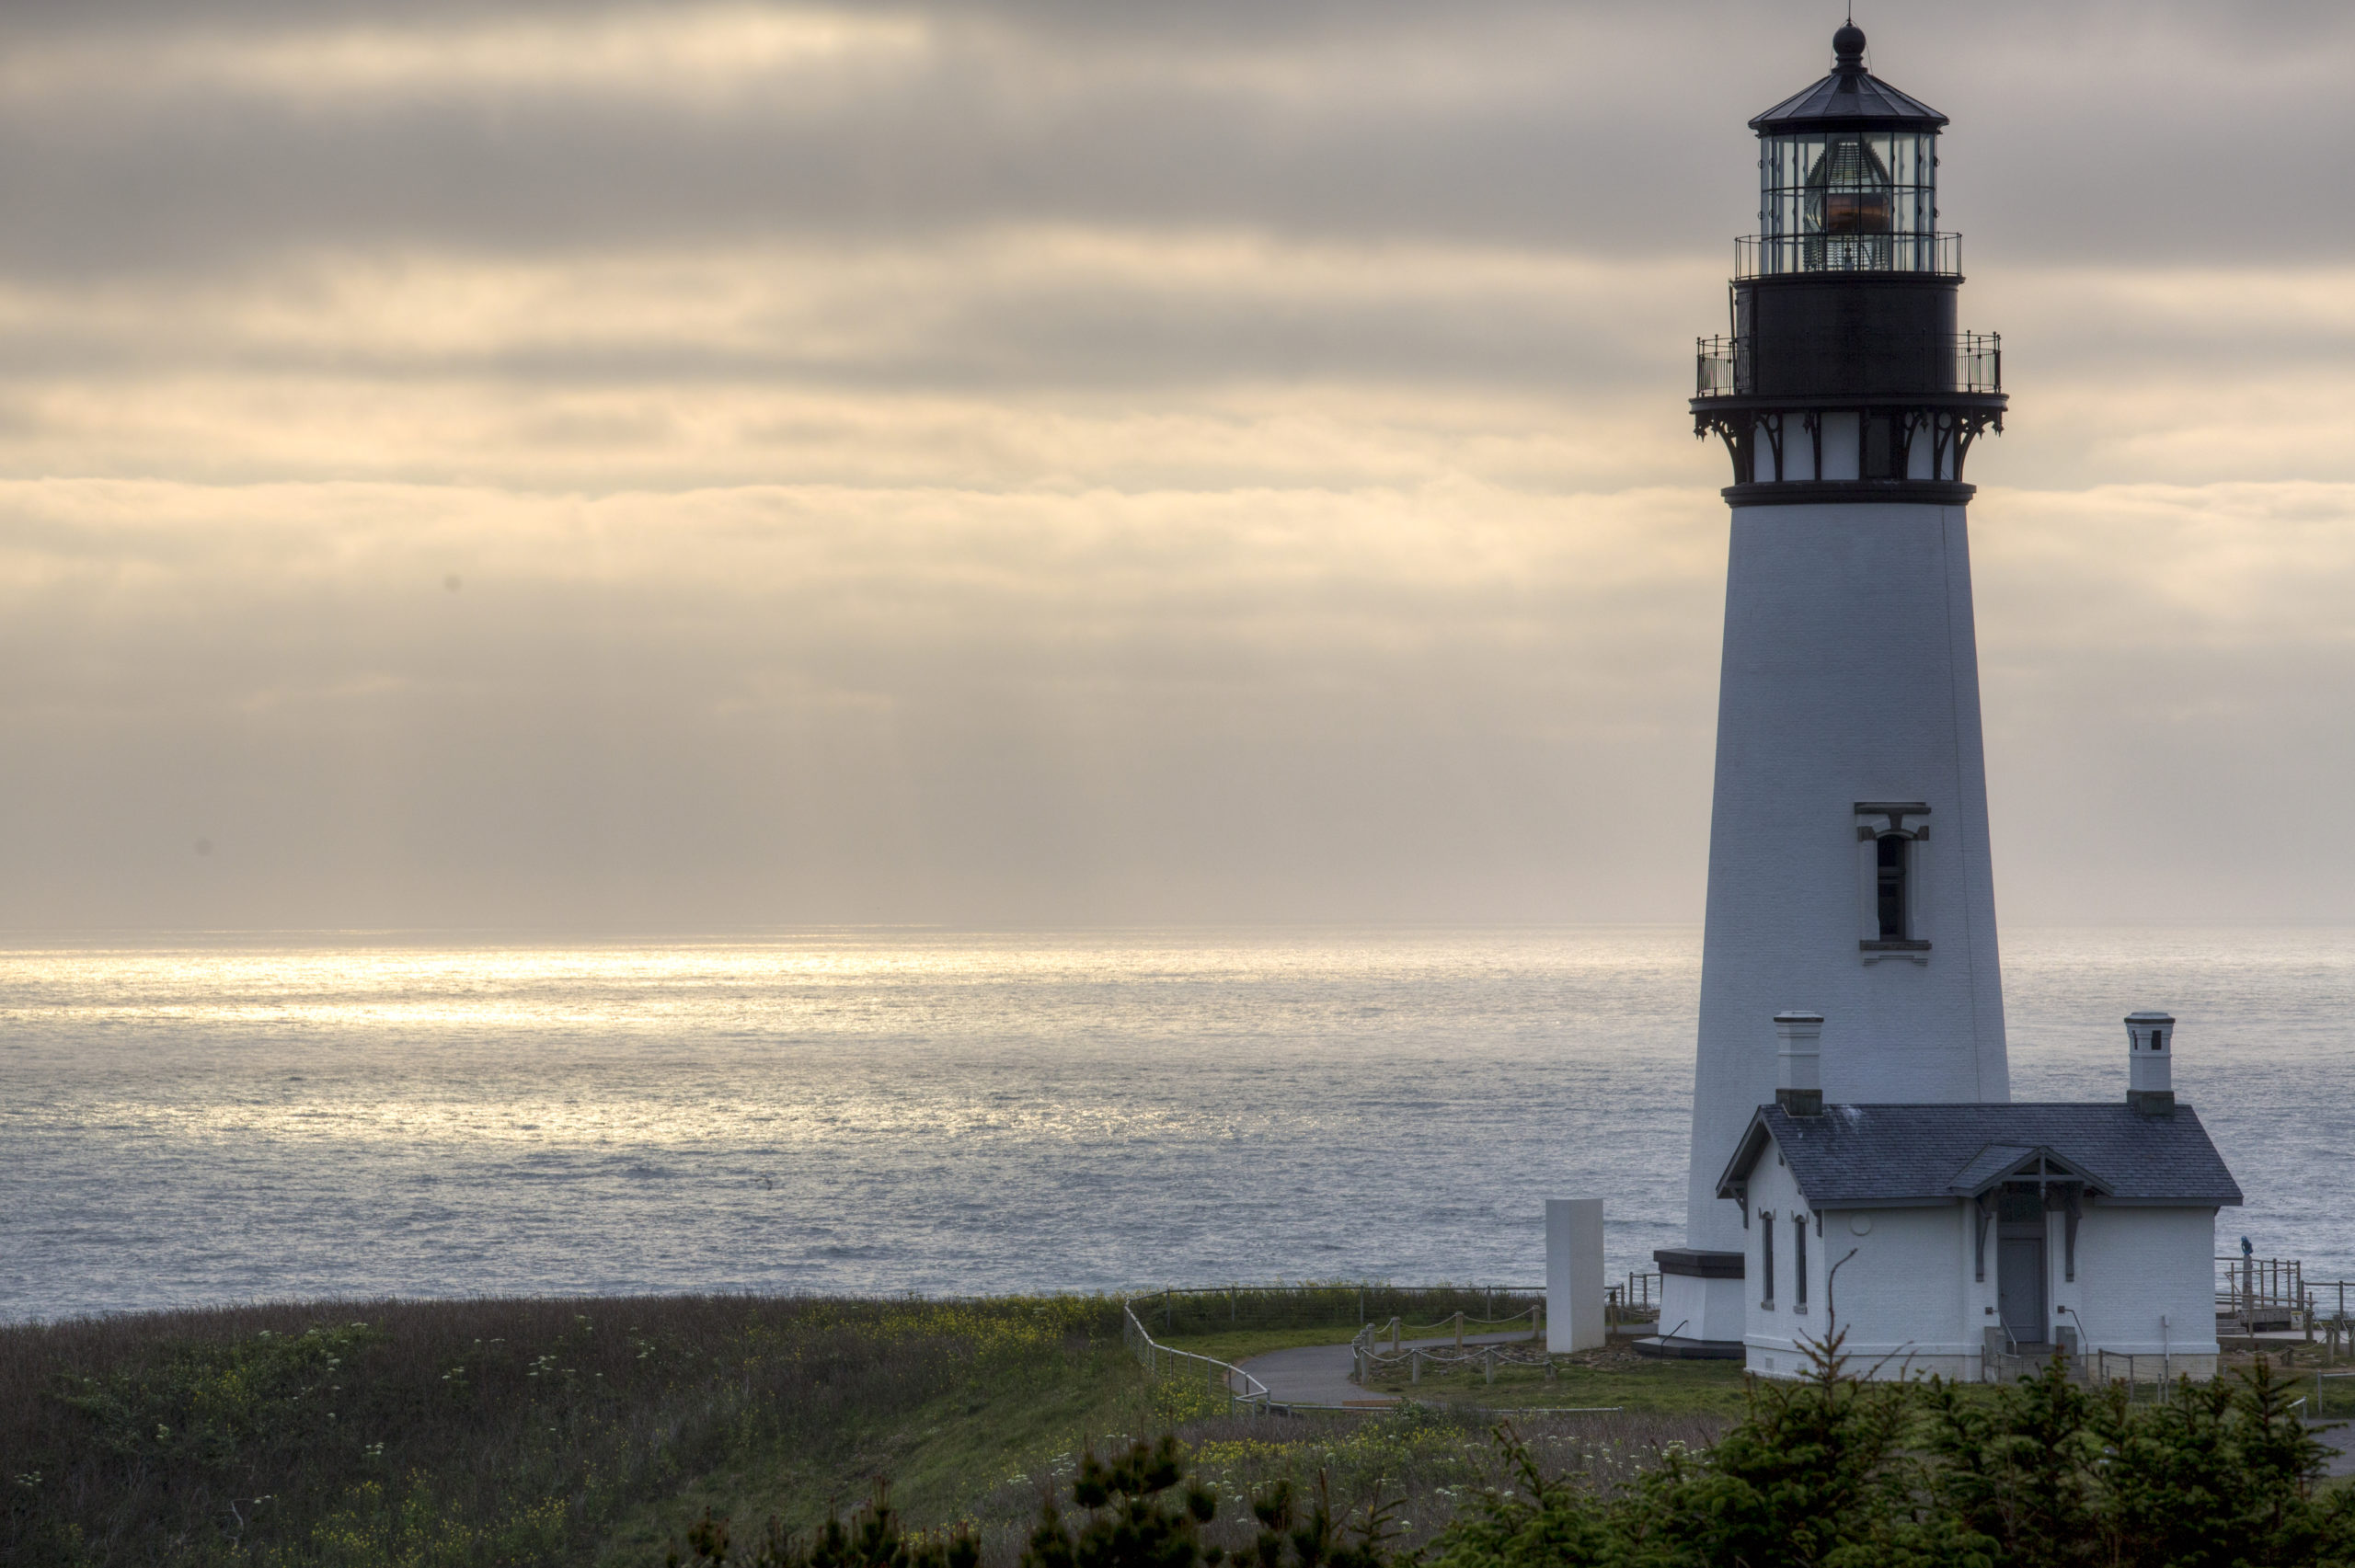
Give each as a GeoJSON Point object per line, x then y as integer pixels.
{"type": "Point", "coordinates": [1851, 674]}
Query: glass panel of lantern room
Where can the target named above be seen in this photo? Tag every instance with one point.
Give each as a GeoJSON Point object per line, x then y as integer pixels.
{"type": "Point", "coordinates": [1913, 176]}
{"type": "Point", "coordinates": [1847, 201]}
{"type": "Point", "coordinates": [1783, 169]}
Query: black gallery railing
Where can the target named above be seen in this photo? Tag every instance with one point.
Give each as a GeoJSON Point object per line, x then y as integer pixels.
{"type": "Point", "coordinates": [1967, 361]}
{"type": "Point", "coordinates": [1778, 255]}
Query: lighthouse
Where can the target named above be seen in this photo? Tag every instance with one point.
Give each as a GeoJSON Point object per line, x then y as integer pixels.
{"type": "Point", "coordinates": [1850, 886]}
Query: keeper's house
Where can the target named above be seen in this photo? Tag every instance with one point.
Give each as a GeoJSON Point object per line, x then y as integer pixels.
{"type": "Point", "coordinates": [1962, 1232]}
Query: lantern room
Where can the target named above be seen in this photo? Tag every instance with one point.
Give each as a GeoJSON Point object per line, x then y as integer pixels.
{"type": "Point", "coordinates": [1845, 362]}
{"type": "Point", "coordinates": [1848, 174]}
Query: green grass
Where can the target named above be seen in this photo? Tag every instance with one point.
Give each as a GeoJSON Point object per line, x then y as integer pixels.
{"type": "Point", "coordinates": [1240, 1344]}
{"type": "Point", "coordinates": [1658, 1388]}
{"type": "Point", "coordinates": [528, 1432]}
{"type": "Point", "coordinates": [451, 1435]}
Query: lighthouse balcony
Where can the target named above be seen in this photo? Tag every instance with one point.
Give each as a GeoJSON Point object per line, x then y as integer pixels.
{"type": "Point", "coordinates": [1849, 250]}
{"type": "Point", "coordinates": [1954, 363]}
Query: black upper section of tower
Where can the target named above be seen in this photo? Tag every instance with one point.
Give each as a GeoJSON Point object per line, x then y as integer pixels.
{"type": "Point", "coordinates": [1844, 374]}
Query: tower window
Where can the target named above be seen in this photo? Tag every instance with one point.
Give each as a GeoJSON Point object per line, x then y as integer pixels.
{"type": "Point", "coordinates": [1891, 887]}
{"type": "Point", "coordinates": [1880, 449]}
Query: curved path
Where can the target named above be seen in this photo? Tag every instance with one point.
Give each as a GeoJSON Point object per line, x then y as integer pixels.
{"type": "Point", "coordinates": [1319, 1374]}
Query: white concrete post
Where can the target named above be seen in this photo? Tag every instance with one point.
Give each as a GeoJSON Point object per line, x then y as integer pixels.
{"type": "Point", "coordinates": [1574, 1284]}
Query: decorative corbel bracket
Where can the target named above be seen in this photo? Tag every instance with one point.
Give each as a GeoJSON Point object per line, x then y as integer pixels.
{"type": "Point", "coordinates": [2068, 1197]}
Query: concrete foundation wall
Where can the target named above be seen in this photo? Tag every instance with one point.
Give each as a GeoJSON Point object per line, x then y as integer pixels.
{"type": "Point", "coordinates": [1702, 1309]}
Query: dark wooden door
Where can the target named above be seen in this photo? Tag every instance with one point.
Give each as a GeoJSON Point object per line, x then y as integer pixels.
{"type": "Point", "coordinates": [2019, 1288]}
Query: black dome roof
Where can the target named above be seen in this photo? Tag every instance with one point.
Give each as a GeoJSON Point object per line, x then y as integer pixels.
{"type": "Point", "coordinates": [1851, 98]}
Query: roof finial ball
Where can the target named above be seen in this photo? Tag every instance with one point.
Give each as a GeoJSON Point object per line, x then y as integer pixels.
{"type": "Point", "coordinates": [1848, 49]}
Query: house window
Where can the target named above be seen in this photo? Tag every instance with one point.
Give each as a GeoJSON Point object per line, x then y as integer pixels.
{"type": "Point", "coordinates": [1767, 1258]}
{"type": "Point", "coordinates": [1799, 1263]}
{"type": "Point", "coordinates": [1890, 886]}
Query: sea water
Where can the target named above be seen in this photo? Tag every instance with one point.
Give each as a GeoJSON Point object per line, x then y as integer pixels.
{"type": "Point", "coordinates": [192, 1121]}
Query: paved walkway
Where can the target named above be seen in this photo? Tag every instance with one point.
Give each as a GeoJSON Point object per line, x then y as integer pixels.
{"type": "Point", "coordinates": [2342, 1462]}
{"type": "Point", "coordinates": [1319, 1374]}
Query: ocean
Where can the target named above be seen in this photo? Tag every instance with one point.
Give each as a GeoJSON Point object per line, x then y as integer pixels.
{"type": "Point", "coordinates": [187, 1121]}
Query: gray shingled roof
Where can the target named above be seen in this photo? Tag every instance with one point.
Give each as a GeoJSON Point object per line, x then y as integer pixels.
{"type": "Point", "coordinates": [1861, 1156]}
{"type": "Point", "coordinates": [1849, 101]}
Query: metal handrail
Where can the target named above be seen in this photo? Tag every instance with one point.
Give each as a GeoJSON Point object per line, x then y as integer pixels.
{"type": "Point", "coordinates": [1778, 255]}
{"type": "Point", "coordinates": [1966, 362]}
{"type": "Point", "coordinates": [1150, 1352]}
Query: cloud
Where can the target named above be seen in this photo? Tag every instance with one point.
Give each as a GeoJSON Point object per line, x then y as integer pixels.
{"type": "Point", "coordinates": [216, 136]}
{"type": "Point", "coordinates": [1030, 461]}
{"type": "Point", "coordinates": [778, 705]}
{"type": "Point", "coordinates": [790, 703]}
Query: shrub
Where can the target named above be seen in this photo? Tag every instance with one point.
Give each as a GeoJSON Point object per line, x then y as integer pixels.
{"type": "Point", "coordinates": [1840, 1473]}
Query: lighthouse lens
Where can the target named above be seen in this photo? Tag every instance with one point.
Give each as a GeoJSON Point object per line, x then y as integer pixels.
{"type": "Point", "coordinates": [1855, 201]}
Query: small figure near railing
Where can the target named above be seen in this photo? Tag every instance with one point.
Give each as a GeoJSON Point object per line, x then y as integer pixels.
{"type": "Point", "coordinates": [2256, 1294]}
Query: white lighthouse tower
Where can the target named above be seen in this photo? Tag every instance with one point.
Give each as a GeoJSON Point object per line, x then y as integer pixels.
{"type": "Point", "coordinates": [1848, 859]}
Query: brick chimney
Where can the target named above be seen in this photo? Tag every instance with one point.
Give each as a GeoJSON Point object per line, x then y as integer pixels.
{"type": "Point", "coordinates": [2149, 1063]}
{"type": "Point", "coordinates": [1798, 1071]}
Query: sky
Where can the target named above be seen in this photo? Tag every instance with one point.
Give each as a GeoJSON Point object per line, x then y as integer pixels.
{"type": "Point", "coordinates": [700, 467]}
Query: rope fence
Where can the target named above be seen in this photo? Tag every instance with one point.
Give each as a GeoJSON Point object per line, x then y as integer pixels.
{"type": "Point", "coordinates": [1397, 1313]}
{"type": "Point", "coordinates": [1178, 1309]}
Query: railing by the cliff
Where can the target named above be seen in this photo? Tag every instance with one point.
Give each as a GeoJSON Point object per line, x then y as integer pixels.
{"type": "Point", "coordinates": [1163, 1360]}
{"type": "Point", "coordinates": [2253, 1287]}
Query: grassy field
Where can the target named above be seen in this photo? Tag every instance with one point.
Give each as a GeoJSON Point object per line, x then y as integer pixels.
{"type": "Point", "coordinates": [531, 1431]}
{"type": "Point", "coordinates": [551, 1432]}
{"type": "Point", "coordinates": [595, 1431]}
{"type": "Point", "coordinates": [1617, 1376]}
